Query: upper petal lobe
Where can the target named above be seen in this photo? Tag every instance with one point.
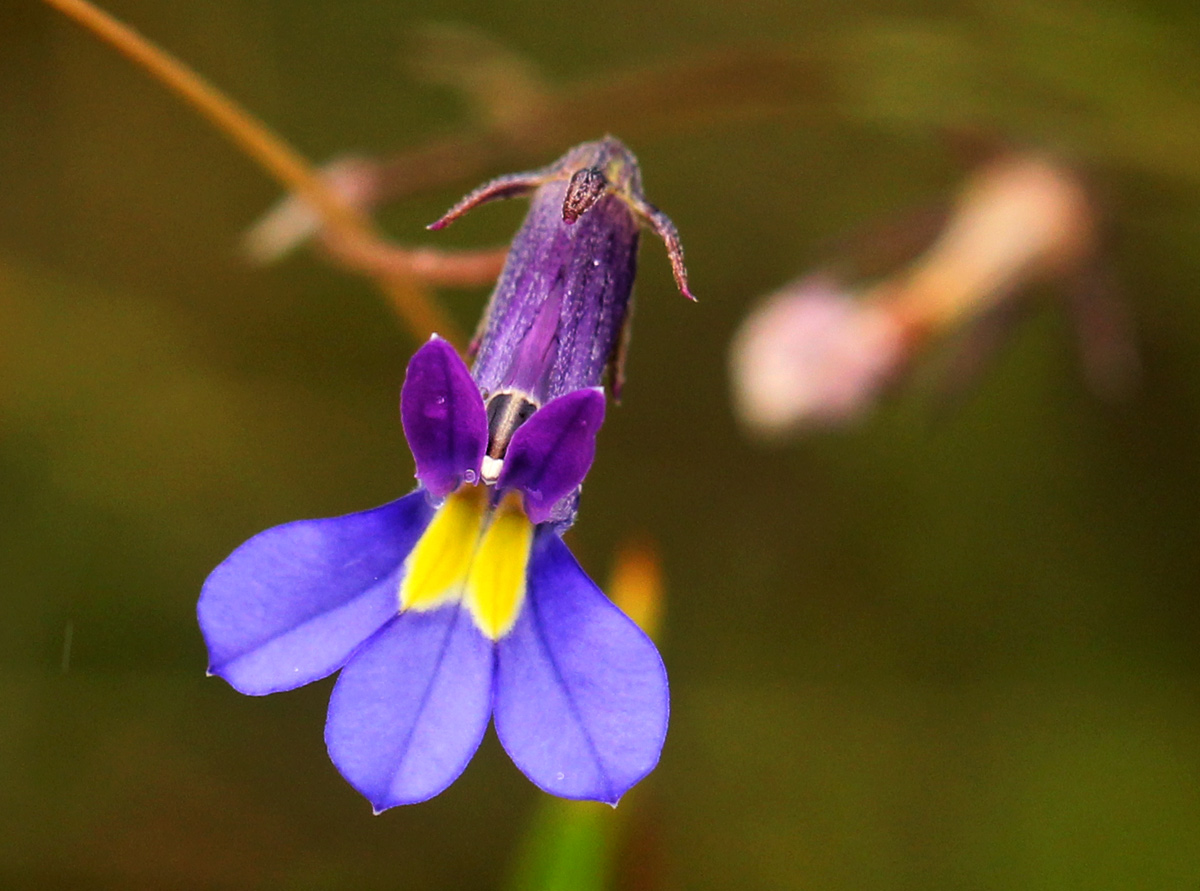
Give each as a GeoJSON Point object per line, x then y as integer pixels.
{"type": "Point", "coordinates": [291, 604]}
{"type": "Point", "coordinates": [443, 415]}
{"type": "Point", "coordinates": [581, 693]}
{"type": "Point", "coordinates": [410, 708]}
{"type": "Point", "coordinates": [551, 453]}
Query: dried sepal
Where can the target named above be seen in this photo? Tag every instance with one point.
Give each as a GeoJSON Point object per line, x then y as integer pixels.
{"type": "Point", "coordinates": [665, 229]}
{"type": "Point", "coordinates": [510, 186]}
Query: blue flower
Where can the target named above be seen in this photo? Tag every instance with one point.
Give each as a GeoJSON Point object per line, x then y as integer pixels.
{"type": "Point", "coordinates": [459, 603]}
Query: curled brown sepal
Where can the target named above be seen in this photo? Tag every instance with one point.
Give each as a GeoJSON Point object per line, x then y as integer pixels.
{"type": "Point", "coordinates": [665, 229]}
{"type": "Point", "coordinates": [510, 186]}
{"type": "Point", "coordinates": [593, 170]}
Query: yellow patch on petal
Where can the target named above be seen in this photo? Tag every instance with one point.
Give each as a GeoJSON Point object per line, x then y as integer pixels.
{"type": "Point", "coordinates": [496, 582]}
{"type": "Point", "coordinates": [437, 569]}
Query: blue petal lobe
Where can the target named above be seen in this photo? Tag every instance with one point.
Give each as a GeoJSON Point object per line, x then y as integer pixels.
{"type": "Point", "coordinates": [551, 453]}
{"type": "Point", "coordinates": [581, 693]}
{"type": "Point", "coordinates": [443, 415]}
{"type": "Point", "coordinates": [291, 604]}
{"type": "Point", "coordinates": [409, 710]}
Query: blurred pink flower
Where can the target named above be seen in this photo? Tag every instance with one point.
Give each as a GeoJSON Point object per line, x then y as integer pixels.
{"type": "Point", "coordinates": [811, 354]}
{"type": "Point", "coordinates": [818, 352]}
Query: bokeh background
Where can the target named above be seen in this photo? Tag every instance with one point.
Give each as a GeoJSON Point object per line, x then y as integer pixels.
{"type": "Point", "coordinates": [951, 647]}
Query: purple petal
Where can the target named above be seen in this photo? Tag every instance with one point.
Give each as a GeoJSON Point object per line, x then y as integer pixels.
{"type": "Point", "coordinates": [410, 708]}
{"type": "Point", "coordinates": [444, 418]}
{"type": "Point", "coordinates": [291, 604]}
{"type": "Point", "coordinates": [581, 693]}
{"type": "Point", "coordinates": [551, 453]}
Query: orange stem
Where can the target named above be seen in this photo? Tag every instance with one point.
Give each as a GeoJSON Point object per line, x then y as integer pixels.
{"type": "Point", "coordinates": [409, 298]}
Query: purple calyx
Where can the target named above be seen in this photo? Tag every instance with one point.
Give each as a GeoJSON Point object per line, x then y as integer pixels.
{"type": "Point", "coordinates": [446, 424]}
{"type": "Point", "coordinates": [558, 318]}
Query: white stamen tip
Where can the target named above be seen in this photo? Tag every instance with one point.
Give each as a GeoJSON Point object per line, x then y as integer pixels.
{"type": "Point", "coordinates": [490, 469]}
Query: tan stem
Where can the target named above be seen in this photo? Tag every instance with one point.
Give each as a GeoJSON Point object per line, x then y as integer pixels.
{"type": "Point", "coordinates": [410, 299]}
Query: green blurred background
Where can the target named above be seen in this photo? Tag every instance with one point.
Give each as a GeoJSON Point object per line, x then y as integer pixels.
{"type": "Point", "coordinates": [945, 649]}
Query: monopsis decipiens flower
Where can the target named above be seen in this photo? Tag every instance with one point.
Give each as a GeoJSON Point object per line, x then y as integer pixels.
{"type": "Point", "coordinates": [459, 603]}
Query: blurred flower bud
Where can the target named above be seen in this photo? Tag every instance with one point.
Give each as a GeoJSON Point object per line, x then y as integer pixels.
{"type": "Point", "coordinates": [637, 586]}
{"type": "Point", "coordinates": [817, 352]}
